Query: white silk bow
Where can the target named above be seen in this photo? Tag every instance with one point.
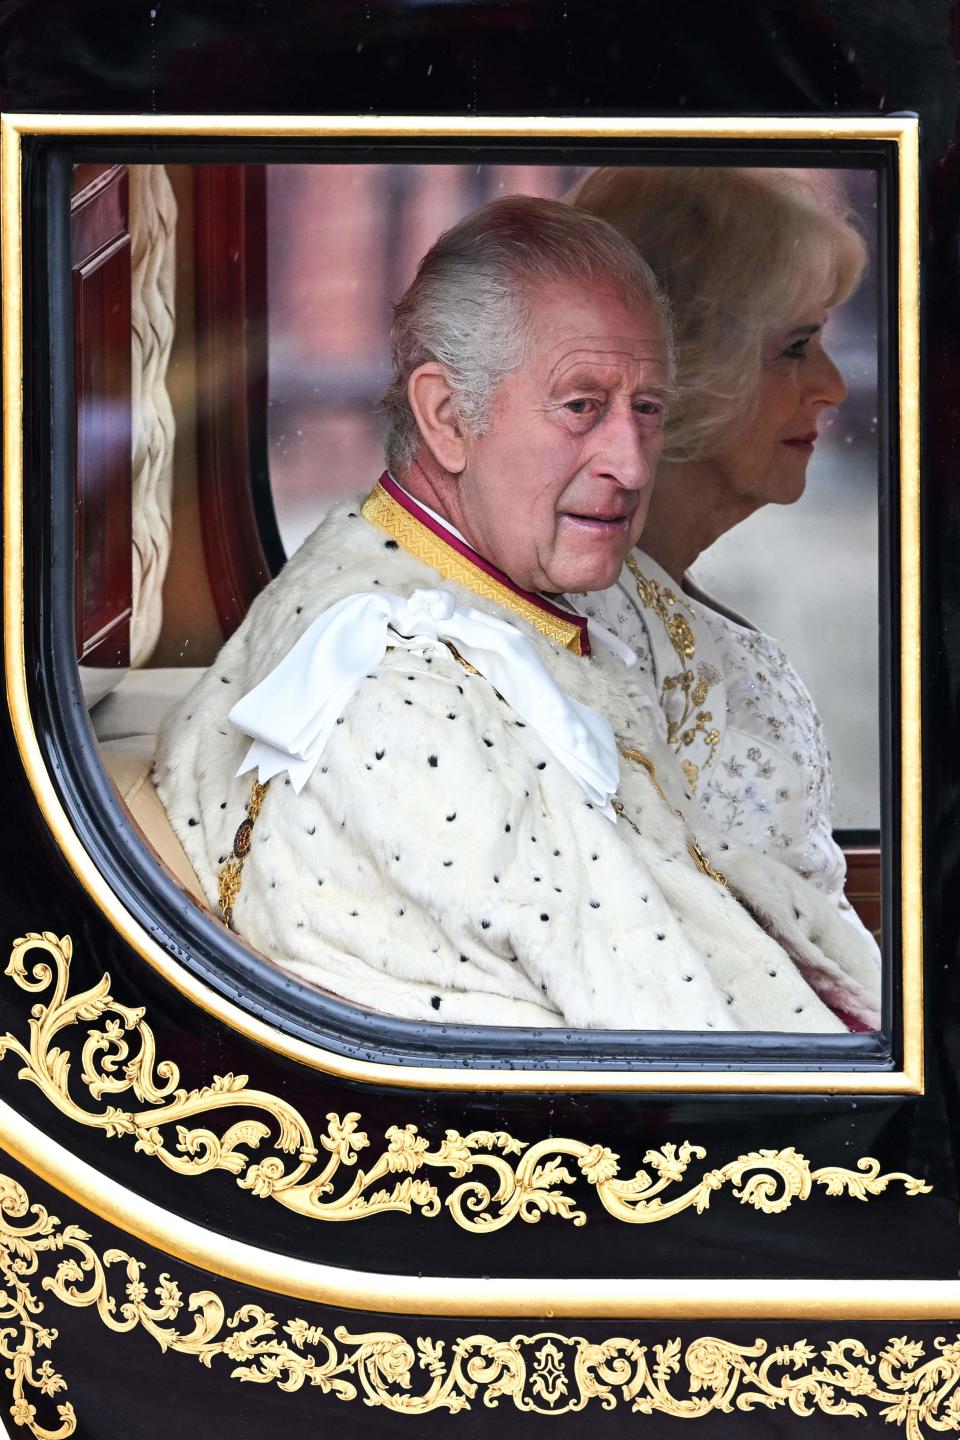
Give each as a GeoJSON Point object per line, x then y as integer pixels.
{"type": "Point", "coordinates": [291, 714]}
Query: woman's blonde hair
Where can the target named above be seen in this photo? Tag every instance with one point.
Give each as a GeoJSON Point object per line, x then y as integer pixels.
{"type": "Point", "coordinates": [740, 253]}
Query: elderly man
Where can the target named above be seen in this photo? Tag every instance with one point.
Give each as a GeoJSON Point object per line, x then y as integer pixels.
{"type": "Point", "coordinates": [415, 776]}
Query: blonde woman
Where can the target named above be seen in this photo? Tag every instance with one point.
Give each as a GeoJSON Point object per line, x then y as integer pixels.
{"type": "Point", "coordinates": [752, 261]}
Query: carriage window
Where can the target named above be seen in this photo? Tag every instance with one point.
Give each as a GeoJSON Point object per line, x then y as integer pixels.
{"type": "Point", "coordinates": [344, 241]}
{"type": "Point", "coordinates": [232, 338]}
{"type": "Point", "coordinates": [802, 568]}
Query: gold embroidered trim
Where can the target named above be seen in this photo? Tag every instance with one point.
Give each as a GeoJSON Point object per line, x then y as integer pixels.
{"type": "Point", "coordinates": [419, 541]}
{"type": "Point", "coordinates": [470, 669]}
{"type": "Point", "coordinates": [544, 1373]}
{"type": "Point", "coordinates": [231, 876]}
{"type": "Point", "coordinates": [694, 848]}
{"type": "Point", "coordinates": [498, 1178]}
{"type": "Point", "coordinates": [694, 686]}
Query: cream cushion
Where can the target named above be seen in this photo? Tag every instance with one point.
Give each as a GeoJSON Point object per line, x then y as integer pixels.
{"type": "Point", "coordinates": [129, 762]}
{"type": "Point", "coordinates": [125, 723]}
{"type": "Point", "coordinates": [141, 700]}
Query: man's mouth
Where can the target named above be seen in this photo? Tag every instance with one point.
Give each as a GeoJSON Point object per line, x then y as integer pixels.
{"type": "Point", "coordinates": [602, 523]}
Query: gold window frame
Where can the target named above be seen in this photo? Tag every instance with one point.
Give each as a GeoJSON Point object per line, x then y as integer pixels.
{"type": "Point", "coordinates": [901, 132]}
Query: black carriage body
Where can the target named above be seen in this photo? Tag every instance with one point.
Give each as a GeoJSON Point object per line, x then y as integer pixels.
{"type": "Point", "coordinates": [286, 1214]}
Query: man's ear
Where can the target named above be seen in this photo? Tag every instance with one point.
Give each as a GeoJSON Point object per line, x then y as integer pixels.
{"type": "Point", "coordinates": [431, 400]}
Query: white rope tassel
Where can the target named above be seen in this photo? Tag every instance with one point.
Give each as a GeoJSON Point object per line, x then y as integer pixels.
{"type": "Point", "coordinates": [153, 233]}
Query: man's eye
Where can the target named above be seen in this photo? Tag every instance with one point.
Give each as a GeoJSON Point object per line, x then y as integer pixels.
{"type": "Point", "coordinates": [581, 406]}
{"type": "Point", "coordinates": [648, 407]}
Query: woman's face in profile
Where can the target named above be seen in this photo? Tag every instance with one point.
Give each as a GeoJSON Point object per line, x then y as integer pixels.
{"type": "Point", "coordinates": [767, 460]}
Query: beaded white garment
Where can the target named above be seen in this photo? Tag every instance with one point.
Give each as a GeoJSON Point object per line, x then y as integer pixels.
{"type": "Point", "coordinates": [738, 716]}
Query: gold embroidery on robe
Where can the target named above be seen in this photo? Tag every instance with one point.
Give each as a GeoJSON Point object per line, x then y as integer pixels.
{"type": "Point", "coordinates": [693, 685]}
{"type": "Point", "coordinates": [419, 541]}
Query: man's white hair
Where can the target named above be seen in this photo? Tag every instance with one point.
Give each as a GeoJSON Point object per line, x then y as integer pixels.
{"type": "Point", "coordinates": [742, 253]}
{"type": "Point", "coordinates": [469, 307]}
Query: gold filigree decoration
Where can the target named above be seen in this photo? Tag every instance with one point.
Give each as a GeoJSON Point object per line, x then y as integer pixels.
{"type": "Point", "coordinates": [545, 1373]}
{"type": "Point", "coordinates": [23, 1333]}
{"type": "Point", "coordinates": [501, 1179]}
{"type": "Point", "coordinates": [693, 686]}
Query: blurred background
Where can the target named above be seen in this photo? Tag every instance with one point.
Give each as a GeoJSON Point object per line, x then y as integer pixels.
{"type": "Point", "coordinates": [343, 241]}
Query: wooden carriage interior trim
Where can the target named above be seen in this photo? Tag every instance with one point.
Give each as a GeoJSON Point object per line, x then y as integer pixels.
{"type": "Point", "coordinates": [863, 887]}
{"type": "Point", "coordinates": [231, 337]}
{"type": "Point", "coordinates": [901, 132]}
{"type": "Point", "coordinates": [100, 259]}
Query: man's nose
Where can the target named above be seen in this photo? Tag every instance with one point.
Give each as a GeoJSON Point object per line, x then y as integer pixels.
{"type": "Point", "coordinates": [625, 455]}
{"type": "Point", "coordinates": [827, 385]}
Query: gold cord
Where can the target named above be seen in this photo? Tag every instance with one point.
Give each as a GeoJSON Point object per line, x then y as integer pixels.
{"type": "Point", "coordinates": [231, 876]}
{"type": "Point", "coordinates": [694, 848]}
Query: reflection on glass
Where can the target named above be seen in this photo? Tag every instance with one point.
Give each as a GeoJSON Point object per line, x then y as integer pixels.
{"type": "Point", "coordinates": [342, 242]}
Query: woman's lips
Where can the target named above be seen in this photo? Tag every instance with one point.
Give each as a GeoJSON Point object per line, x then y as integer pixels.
{"type": "Point", "coordinates": [801, 442]}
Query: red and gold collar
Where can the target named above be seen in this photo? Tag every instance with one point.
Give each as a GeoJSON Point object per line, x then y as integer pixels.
{"type": "Point", "coordinates": [398, 515]}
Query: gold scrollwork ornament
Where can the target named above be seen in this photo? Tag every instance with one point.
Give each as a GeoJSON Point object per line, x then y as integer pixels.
{"type": "Point", "coordinates": [501, 1178]}
{"type": "Point", "coordinates": [545, 1373]}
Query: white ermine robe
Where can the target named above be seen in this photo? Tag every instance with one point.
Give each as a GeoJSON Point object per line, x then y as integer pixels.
{"type": "Point", "coordinates": [441, 864]}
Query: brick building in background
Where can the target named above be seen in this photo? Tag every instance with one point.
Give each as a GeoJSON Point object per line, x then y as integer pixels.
{"type": "Point", "coordinates": [344, 241]}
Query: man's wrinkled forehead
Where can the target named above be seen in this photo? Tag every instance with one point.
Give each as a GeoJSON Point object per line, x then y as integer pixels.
{"type": "Point", "coordinates": [591, 324]}
{"type": "Point", "coordinates": [588, 359]}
